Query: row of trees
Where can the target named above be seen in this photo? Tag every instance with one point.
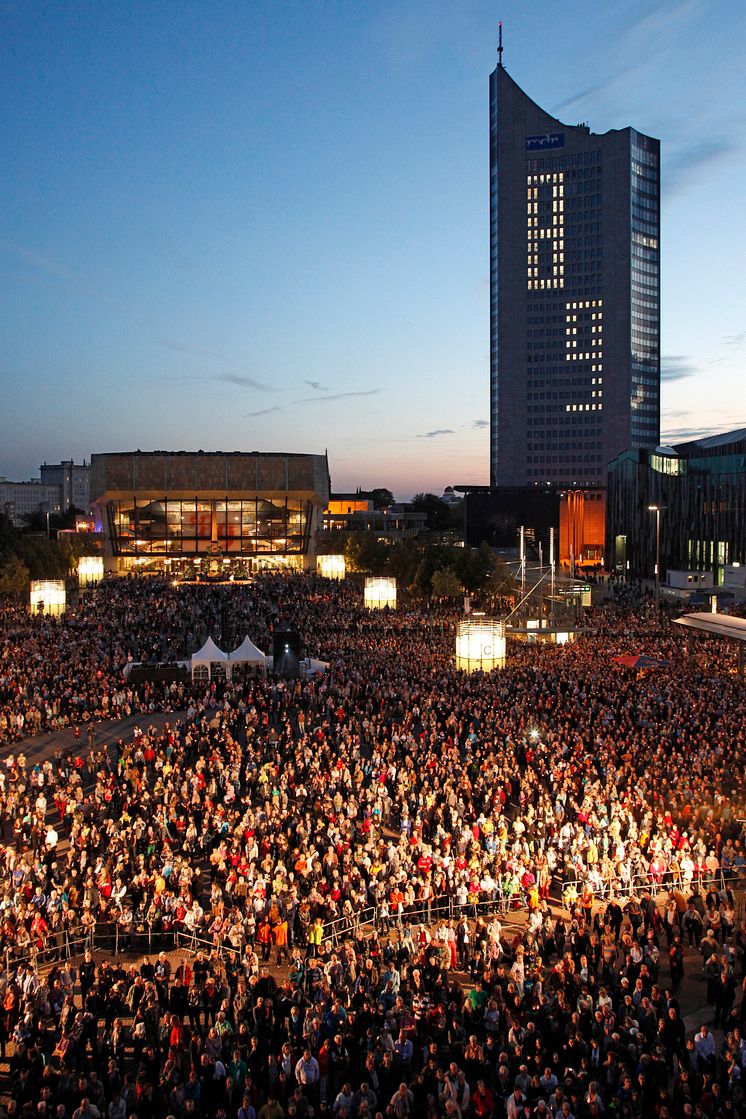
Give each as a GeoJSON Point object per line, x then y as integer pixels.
{"type": "Point", "coordinates": [32, 555]}
{"type": "Point", "coordinates": [425, 569]}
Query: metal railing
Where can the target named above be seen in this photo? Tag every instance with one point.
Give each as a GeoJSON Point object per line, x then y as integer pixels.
{"type": "Point", "coordinates": [657, 882]}
{"type": "Point", "coordinates": [71, 942]}
{"type": "Point", "coordinates": [444, 907]}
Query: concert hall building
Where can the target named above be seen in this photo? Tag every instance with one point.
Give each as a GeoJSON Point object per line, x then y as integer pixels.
{"type": "Point", "coordinates": [208, 513]}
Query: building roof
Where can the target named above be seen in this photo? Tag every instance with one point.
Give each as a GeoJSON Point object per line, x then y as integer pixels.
{"type": "Point", "coordinates": [720, 625]}
{"type": "Point", "coordinates": [723, 439]}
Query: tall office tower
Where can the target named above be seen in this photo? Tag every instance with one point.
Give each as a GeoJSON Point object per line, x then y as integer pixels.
{"type": "Point", "coordinates": [575, 294]}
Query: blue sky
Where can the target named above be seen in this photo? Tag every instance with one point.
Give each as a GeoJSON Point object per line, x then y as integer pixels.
{"type": "Point", "coordinates": [264, 225]}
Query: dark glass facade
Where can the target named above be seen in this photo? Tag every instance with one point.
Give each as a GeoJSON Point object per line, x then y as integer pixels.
{"type": "Point", "coordinates": [574, 294]}
{"type": "Point", "coordinates": [700, 487]}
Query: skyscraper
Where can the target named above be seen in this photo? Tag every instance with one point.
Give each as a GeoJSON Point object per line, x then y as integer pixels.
{"type": "Point", "coordinates": [574, 294]}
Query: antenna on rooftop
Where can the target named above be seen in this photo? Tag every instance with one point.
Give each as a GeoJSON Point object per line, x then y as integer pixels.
{"type": "Point", "coordinates": [500, 44]}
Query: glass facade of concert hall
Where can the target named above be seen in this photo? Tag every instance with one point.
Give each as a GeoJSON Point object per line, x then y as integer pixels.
{"type": "Point", "coordinates": [168, 511]}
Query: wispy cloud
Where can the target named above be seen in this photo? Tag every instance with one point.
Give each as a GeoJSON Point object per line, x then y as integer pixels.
{"type": "Point", "coordinates": [661, 18]}
{"type": "Point", "coordinates": [684, 434]}
{"type": "Point", "coordinates": [685, 426]}
{"type": "Point", "coordinates": [317, 385]}
{"type": "Point", "coordinates": [735, 339]}
{"type": "Point", "coordinates": [72, 282]}
{"type": "Point", "coordinates": [262, 412]}
{"type": "Point", "coordinates": [689, 160]}
{"type": "Point", "coordinates": [40, 262]}
{"type": "Point", "coordinates": [335, 396]}
{"type": "Point", "coordinates": [675, 367]}
{"type": "Point", "coordinates": [641, 42]}
{"type": "Point", "coordinates": [216, 355]}
{"type": "Point", "coordinates": [243, 381]}
{"type": "Point", "coordinates": [434, 434]}
{"type": "Point", "coordinates": [480, 423]}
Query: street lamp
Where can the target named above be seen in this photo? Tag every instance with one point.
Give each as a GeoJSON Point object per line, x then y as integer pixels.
{"type": "Point", "coordinates": [657, 509]}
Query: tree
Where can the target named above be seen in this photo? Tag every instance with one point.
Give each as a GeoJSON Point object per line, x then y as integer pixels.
{"type": "Point", "coordinates": [402, 558]}
{"type": "Point", "coordinates": [365, 552]}
{"type": "Point", "coordinates": [438, 515]}
{"type": "Point", "coordinates": [381, 498]}
{"type": "Point", "coordinates": [475, 566]}
{"type": "Point", "coordinates": [14, 575]}
{"type": "Point", "coordinates": [446, 583]}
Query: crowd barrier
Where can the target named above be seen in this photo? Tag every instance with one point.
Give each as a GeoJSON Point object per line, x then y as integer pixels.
{"type": "Point", "coordinates": [69, 944]}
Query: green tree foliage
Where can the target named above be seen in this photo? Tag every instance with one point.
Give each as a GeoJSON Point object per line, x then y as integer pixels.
{"type": "Point", "coordinates": [438, 514]}
{"type": "Point", "coordinates": [381, 498]}
{"type": "Point", "coordinates": [14, 575]}
{"type": "Point", "coordinates": [446, 583]}
{"type": "Point", "coordinates": [41, 557]}
{"type": "Point", "coordinates": [402, 558]}
{"type": "Point", "coordinates": [365, 552]}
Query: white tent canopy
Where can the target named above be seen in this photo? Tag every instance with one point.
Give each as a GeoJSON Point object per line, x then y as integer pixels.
{"type": "Point", "coordinates": [314, 667]}
{"type": "Point", "coordinates": [207, 656]}
{"type": "Point", "coordinates": [247, 653]}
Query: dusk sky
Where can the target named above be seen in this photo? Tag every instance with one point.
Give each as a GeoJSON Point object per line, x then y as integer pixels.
{"type": "Point", "coordinates": [264, 225]}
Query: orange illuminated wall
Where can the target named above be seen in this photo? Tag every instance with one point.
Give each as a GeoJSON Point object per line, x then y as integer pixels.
{"type": "Point", "coordinates": [582, 527]}
{"type": "Point", "coordinates": [340, 506]}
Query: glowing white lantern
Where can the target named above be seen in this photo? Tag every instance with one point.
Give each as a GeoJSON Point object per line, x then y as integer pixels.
{"type": "Point", "coordinates": [480, 645]}
{"type": "Point", "coordinates": [331, 567]}
{"type": "Point", "coordinates": [47, 596]}
{"type": "Point", "coordinates": [90, 570]}
{"type": "Point", "coordinates": [379, 593]}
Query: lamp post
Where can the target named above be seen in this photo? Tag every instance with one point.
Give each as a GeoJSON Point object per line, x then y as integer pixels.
{"type": "Point", "coordinates": [657, 509]}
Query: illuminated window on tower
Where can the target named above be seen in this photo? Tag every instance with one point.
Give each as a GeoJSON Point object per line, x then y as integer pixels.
{"type": "Point", "coordinates": [545, 222]}
{"type": "Point", "coordinates": [584, 329]}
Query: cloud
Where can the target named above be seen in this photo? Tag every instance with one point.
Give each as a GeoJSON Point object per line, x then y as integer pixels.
{"type": "Point", "coordinates": [72, 282]}
{"type": "Point", "coordinates": [676, 367]}
{"type": "Point", "coordinates": [687, 161]}
{"type": "Point", "coordinates": [480, 423]}
{"type": "Point", "coordinates": [640, 43]}
{"type": "Point", "coordinates": [215, 354]}
{"type": "Point", "coordinates": [589, 92]}
{"type": "Point", "coordinates": [735, 339]}
{"type": "Point", "coordinates": [662, 18]}
{"type": "Point", "coordinates": [316, 385]}
{"type": "Point", "coordinates": [39, 262]}
{"type": "Point", "coordinates": [685, 434]}
{"type": "Point", "coordinates": [262, 412]}
{"type": "Point", "coordinates": [688, 429]}
{"type": "Point", "coordinates": [335, 396]}
{"type": "Point", "coordinates": [242, 381]}
{"type": "Point", "coordinates": [433, 434]}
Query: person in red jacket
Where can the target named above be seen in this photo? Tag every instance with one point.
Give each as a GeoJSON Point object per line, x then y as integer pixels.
{"type": "Point", "coordinates": [483, 1101]}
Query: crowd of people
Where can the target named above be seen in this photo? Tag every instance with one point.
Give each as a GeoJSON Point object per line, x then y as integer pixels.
{"type": "Point", "coordinates": [264, 823]}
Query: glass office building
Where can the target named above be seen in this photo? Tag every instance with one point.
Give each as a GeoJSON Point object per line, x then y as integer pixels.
{"type": "Point", "coordinates": [208, 512]}
{"type": "Point", "coordinates": [574, 294]}
{"type": "Point", "coordinates": [700, 488]}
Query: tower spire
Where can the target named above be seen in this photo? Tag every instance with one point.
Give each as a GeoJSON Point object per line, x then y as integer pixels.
{"type": "Point", "coordinates": [500, 44]}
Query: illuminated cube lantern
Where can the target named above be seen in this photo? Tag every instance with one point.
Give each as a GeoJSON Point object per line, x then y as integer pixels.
{"type": "Point", "coordinates": [480, 645]}
{"type": "Point", "coordinates": [331, 567]}
{"type": "Point", "coordinates": [47, 596]}
{"type": "Point", "coordinates": [90, 570]}
{"type": "Point", "coordinates": [379, 593]}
